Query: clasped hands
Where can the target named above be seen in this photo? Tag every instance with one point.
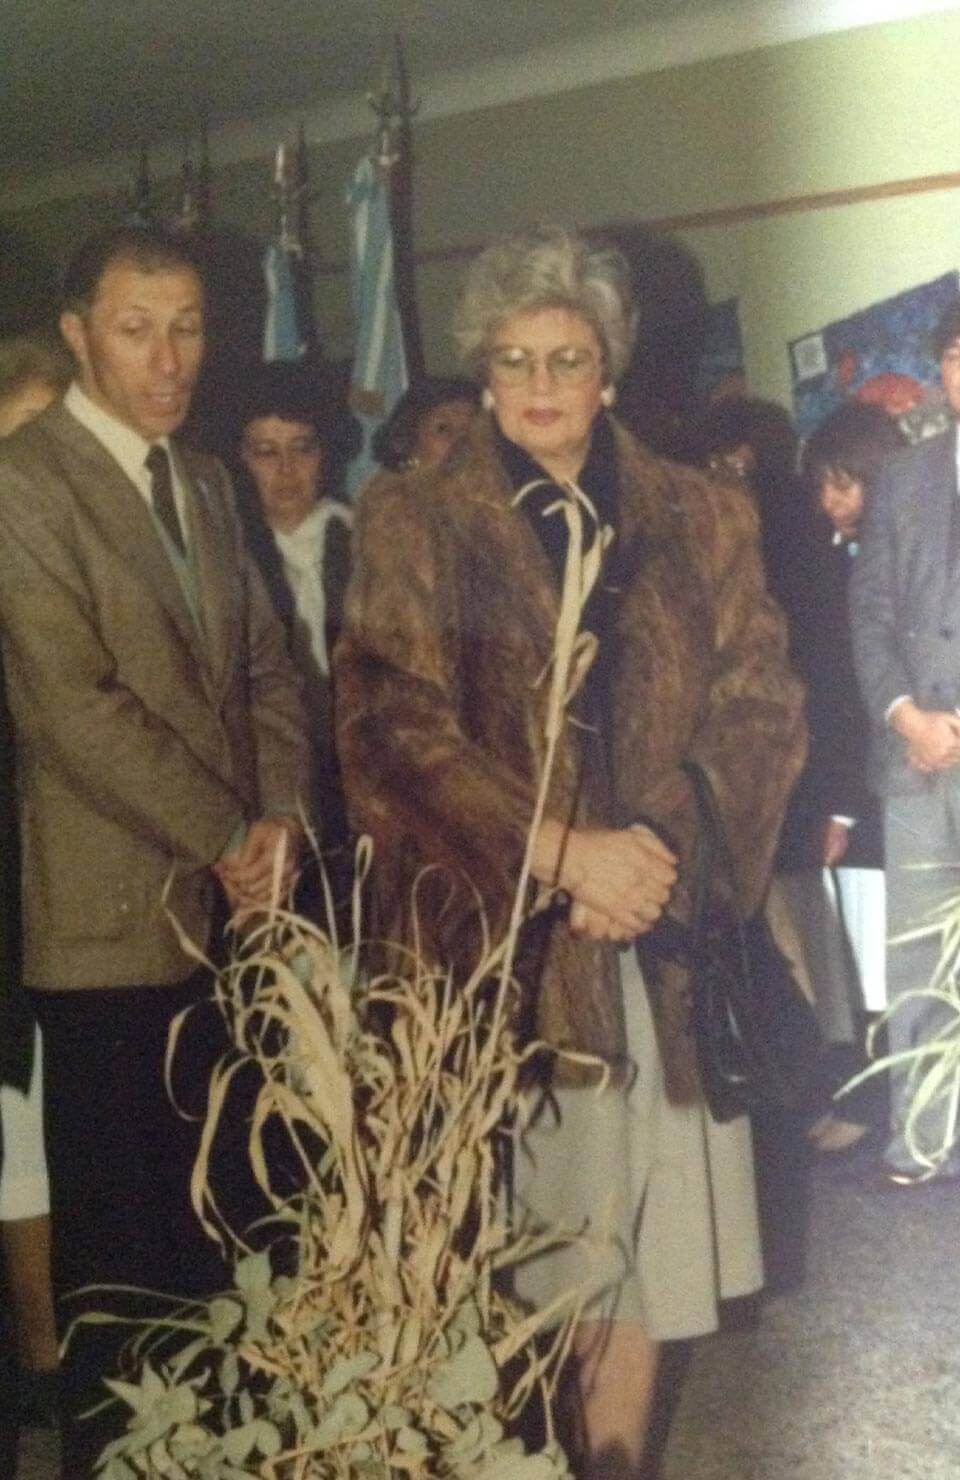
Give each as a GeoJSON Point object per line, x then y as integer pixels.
{"type": "Point", "coordinates": [618, 879]}
{"type": "Point", "coordinates": [247, 873]}
{"type": "Point", "coordinates": [932, 736]}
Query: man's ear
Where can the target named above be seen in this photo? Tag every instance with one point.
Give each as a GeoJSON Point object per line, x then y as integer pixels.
{"type": "Point", "coordinates": [74, 332]}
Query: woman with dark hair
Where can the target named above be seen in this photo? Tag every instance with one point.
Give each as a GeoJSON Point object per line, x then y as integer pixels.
{"type": "Point", "coordinates": [755, 442]}
{"type": "Point", "coordinates": [426, 421]}
{"type": "Point", "coordinates": [842, 459]}
{"type": "Point", "coordinates": [841, 462]}
{"type": "Point", "coordinates": [451, 617]}
{"type": "Point", "coordinates": [296, 433]}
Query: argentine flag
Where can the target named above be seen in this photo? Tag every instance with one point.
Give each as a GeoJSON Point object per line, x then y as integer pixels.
{"type": "Point", "coordinates": [283, 337]}
{"type": "Point", "coordinates": [379, 375]}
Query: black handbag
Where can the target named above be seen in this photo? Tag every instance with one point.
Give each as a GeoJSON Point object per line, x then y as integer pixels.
{"type": "Point", "coordinates": [756, 1035]}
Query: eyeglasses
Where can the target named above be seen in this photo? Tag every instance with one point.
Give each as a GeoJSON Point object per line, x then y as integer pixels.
{"type": "Point", "coordinates": [512, 365]}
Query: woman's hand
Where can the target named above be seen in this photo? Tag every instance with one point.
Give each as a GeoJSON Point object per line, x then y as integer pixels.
{"type": "Point", "coordinates": [597, 925]}
{"type": "Point", "coordinates": [619, 879]}
{"type": "Point", "coordinates": [836, 840]}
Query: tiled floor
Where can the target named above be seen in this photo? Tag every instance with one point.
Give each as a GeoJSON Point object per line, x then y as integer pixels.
{"type": "Point", "coordinates": [857, 1375]}
{"type": "Point", "coordinates": [854, 1377]}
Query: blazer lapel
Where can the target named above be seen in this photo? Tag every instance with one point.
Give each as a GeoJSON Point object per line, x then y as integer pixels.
{"type": "Point", "coordinates": [116, 507]}
{"type": "Point", "coordinates": [949, 483]}
{"type": "Point", "coordinates": [936, 528]}
{"type": "Point", "coordinates": [218, 579]}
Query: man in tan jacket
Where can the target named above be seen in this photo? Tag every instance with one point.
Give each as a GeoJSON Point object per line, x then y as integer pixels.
{"type": "Point", "coordinates": [161, 756]}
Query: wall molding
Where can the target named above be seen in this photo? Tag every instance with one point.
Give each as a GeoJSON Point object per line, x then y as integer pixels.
{"type": "Point", "coordinates": [700, 220]}
{"type": "Point", "coordinates": [730, 28]}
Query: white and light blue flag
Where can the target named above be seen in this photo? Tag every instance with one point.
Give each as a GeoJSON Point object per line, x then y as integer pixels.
{"type": "Point", "coordinates": [283, 336]}
{"type": "Point", "coordinates": [379, 375]}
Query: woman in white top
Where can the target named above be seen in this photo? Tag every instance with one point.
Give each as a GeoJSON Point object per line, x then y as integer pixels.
{"type": "Point", "coordinates": [295, 433]}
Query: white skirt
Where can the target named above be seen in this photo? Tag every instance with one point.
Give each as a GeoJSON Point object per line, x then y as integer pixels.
{"type": "Point", "coordinates": [24, 1189]}
{"type": "Point", "coordinates": [664, 1195]}
{"type": "Point", "coordinates": [862, 898]}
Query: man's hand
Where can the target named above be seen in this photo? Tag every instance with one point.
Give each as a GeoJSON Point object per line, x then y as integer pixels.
{"type": "Point", "coordinates": [932, 736]}
{"type": "Point", "coordinates": [619, 879]}
{"type": "Point", "coordinates": [247, 873]}
{"type": "Point", "coordinates": [836, 840]}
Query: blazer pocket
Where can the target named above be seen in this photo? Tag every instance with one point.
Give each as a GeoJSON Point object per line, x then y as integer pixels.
{"type": "Point", "coordinates": [70, 894]}
{"type": "Point", "coordinates": [105, 912]}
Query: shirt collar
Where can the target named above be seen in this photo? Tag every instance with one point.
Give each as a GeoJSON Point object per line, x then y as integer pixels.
{"type": "Point", "coordinates": [124, 445]}
{"type": "Point", "coordinates": [310, 533]}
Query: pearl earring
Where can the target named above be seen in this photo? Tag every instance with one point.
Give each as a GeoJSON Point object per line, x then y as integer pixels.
{"type": "Point", "coordinates": [486, 398]}
{"type": "Point", "coordinates": [608, 395]}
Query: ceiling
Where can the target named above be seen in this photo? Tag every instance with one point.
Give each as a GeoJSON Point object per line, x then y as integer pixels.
{"type": "Point", "coordinates": [83, 79]}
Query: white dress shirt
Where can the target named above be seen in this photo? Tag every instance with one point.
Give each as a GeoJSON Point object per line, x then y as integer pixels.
{"type": "Point", "coordinates": [129, 450]}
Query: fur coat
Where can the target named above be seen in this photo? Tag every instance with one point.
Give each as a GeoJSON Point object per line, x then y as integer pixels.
{"type": "Point", "coordinates": [450, 620]}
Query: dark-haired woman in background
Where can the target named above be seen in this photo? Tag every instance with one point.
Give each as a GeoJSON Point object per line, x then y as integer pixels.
{"type": "Point", "coordinates": [295, 434]}
{"type": "Point", "coordinates": [841, 462]}
{"type": "Point", "coordinates": [754, 442]}
{"type": "Point", "coordinates": [426, 421]}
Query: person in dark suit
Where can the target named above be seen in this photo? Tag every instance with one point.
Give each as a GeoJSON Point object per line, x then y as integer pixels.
{"type": "Point", "coordinates": [296, 433]}
{"type": "Point", "coordinates": [162, 758]}
{"type": "Point", "coordinates": [905, 615]}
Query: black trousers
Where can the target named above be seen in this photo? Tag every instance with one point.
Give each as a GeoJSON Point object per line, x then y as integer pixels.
{"type": "Point", "coordinates": [120, 1158]}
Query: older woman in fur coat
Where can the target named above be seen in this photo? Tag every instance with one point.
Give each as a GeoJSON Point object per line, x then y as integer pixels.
{"type": "Point", "coordinates": [451, 617]}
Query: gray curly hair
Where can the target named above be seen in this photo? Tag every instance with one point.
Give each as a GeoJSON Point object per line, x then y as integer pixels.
{"type": "Point", "coordinates": [548, 267]}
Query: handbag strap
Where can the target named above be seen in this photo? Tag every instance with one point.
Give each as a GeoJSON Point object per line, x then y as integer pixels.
{"type": "Point", "coordinates": [712, 849]}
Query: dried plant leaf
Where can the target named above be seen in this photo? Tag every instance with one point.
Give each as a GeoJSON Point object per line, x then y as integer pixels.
{"type": "Point", "coordinates": [387, 1353]}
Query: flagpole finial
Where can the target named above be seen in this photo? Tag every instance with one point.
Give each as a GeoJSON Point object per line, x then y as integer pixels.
{"type": "Point", "coordinates": [187, 217]}
{"type": "Point", "coordinates": [393, 105]}
{"type": "Point", "coordinates": [302, 194]}
{"type": "Point", "coordinates": [204, 175]}
{"type": "Point", "coordinates": [141, 206]}
{"type": "Point", "coordinates": [286, 192]}
{"type": "Point", "coordinates": [194, 211]}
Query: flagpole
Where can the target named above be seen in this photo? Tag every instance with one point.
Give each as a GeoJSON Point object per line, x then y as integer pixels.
{"type": "Point", "coordinates": [141, 202]}
{"type": "Point", "coordinates": [284, 334]}
{"type": "Point", "coordinates": [401, 215]}
{"type": "Point", "coordinates": [302, 199]}
{"type": "Point", "coordinates": [396, 111]}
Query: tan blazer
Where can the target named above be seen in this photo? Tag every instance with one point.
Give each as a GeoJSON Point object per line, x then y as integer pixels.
{"type": "Point", "coordinates": [142, 742]}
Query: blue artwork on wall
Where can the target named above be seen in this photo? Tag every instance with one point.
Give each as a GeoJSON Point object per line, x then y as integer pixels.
{"type": "Point", "coordinates": [881, 355]}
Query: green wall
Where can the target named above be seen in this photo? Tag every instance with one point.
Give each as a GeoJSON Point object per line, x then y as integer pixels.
{"type": "Point", "coordinates": [831, 113]}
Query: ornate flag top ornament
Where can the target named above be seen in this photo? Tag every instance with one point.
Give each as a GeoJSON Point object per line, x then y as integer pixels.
{"type": "Point", "coordinates": [195, 186]}
{"type": "Point", "coordinates": [288, 187]}
{"type": "Point", "coordinates": [141, 203]}
{"type": "Point", "coordinates": [395, 111]}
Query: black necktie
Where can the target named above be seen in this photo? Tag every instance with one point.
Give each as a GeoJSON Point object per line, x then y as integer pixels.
{"type": "Point", "coordinates": [161, 491]}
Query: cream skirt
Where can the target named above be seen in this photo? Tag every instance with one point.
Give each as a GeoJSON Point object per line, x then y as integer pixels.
{"type": "Point", "coordinates": [663, 1196]}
